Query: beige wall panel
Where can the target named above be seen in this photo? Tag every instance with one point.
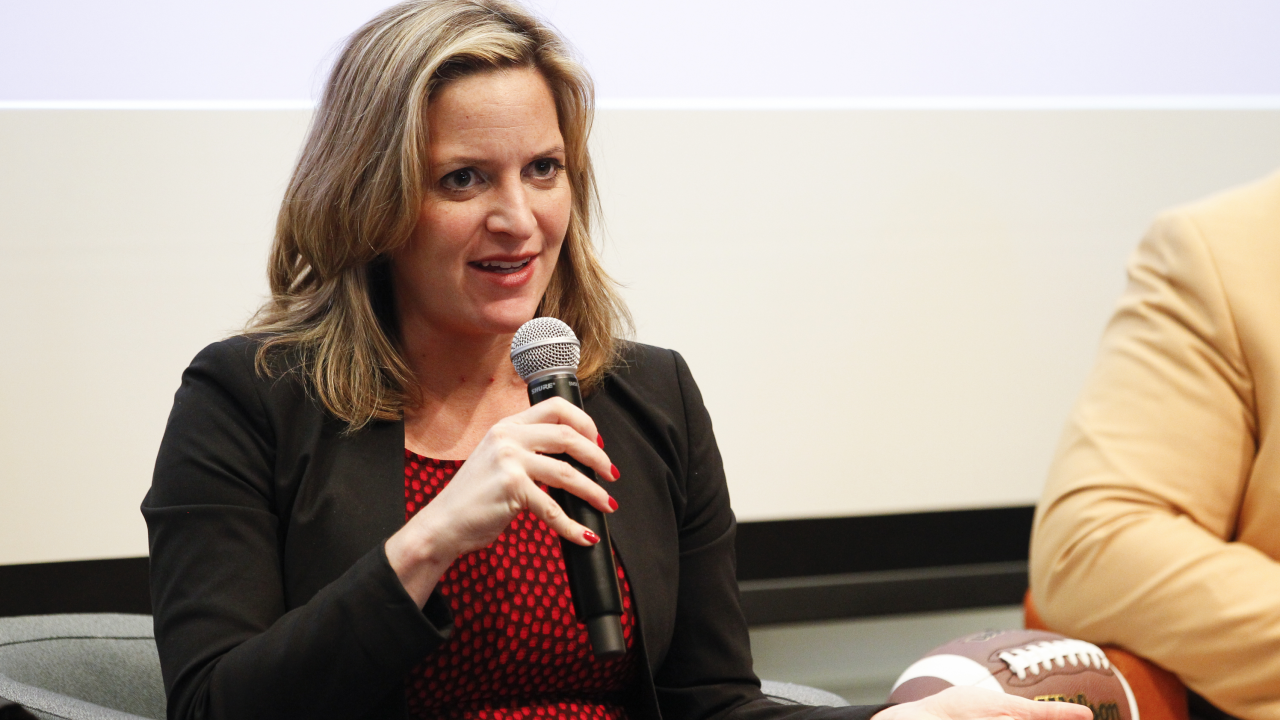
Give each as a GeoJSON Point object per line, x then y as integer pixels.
{"type": "Point", "coordinates": [128, 241]}
{"type": "Point", "coordinates": [886, 310]}
{"type": "Point", "coordinates": [893, 310]}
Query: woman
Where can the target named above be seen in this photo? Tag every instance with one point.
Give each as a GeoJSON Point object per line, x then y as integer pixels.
{"type": "Point", "coordinates": [318, 548]}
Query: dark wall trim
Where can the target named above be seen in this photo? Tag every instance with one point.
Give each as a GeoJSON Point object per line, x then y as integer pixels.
{"type": "Point", "coordinates": [118, 585]}
{"type": "Point", "coordinates": [848, 567]}
{"type": "Point", "coordinates": [888, 592]}
{"type": "Point", "coordinates": [788, 570]}
{"type": "Point", "coordinates": [871, 543]}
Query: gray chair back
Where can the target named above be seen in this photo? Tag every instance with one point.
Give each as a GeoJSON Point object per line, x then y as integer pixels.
{"type": "Point", "coordinates": [792, 694]}
{"type": "Point", "coordinates": [105, 667]}
{"type": "Point", "coordinates": [82, 667]}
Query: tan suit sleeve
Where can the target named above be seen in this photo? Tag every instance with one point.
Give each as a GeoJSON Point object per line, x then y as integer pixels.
{"type": "Point", "coordinates": [1133, 543]}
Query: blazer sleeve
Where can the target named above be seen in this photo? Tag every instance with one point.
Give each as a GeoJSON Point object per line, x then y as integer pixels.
{"type": "Point", "coordinates": [1133, 538]}
{"type": "Point", "coordinates": [707, 670]}
{"type": "Point", "coordinates": [230, 648]}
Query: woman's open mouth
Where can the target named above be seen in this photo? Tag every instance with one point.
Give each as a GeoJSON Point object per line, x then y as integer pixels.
{"type": "Point", "coordinates": [501, 267]}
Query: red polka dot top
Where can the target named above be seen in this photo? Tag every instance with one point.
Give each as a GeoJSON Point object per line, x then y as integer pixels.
{"type": "Point", "coordinates": [517, 651]}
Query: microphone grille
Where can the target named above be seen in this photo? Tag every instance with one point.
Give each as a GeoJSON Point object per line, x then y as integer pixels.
{"type": "Point", "coordinates": [544, 343]}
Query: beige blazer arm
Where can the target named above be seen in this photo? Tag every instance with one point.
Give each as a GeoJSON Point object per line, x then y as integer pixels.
{"type": "Point", "coordinates": [1134, 538]}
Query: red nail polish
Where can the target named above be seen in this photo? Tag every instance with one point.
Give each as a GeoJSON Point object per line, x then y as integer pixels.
{"type": "Point", "coordinates": [613, 504]}
{"type": "Point", "coordinates": [600, 441]}
{"type": "Point", "coordinates": [590, 537]}
{"type": "Point", "coordinates": [614, 469]}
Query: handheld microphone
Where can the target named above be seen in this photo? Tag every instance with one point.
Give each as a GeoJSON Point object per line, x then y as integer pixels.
{"type": "Point", "coordinates": [545, 352]}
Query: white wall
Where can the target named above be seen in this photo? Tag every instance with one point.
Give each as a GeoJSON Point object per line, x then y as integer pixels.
{"type": "Point", "coordinates": [921, 208]}
{"type": "Point", "coordinates": [128, 241]}
{"type": "Point", "coordinates": [892, 311]}
{"type": "Point", "coordinates": [934, 281]}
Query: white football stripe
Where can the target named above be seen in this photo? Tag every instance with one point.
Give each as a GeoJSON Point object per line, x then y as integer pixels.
{"type": "Point", "coordinates": [955, 669]}
{"type": "Point", "coordinates": [1133, 702]}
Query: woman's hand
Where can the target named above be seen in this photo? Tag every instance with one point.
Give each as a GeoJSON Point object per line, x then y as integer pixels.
{"type": "Point", "coordinates": [967, 703]}
{"type": "Point", "coordinates": [497, 482]}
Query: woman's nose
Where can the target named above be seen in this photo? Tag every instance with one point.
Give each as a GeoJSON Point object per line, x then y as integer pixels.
{"type": "Point", "coordinates": [512, 213]}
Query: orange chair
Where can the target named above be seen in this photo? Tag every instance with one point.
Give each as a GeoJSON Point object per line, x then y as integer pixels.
{"type": "Point", "coordinates": [1158, 692]}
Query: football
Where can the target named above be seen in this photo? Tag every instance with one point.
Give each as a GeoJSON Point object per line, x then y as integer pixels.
{"type": "Point", "coordinates": [1029, 663]}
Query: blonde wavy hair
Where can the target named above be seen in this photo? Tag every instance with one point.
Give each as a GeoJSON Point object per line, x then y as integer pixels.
{"type": "Point", "coordinates": [361, 177]}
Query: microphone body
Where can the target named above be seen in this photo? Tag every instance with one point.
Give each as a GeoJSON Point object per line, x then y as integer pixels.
{"type": "Point", "coordinates": [593, 577]}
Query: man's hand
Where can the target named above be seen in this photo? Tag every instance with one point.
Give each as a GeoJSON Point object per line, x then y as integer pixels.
{"type": "Point", "coordinates": [966, 703]}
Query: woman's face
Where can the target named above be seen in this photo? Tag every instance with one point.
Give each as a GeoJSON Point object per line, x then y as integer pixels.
{"type": "Point", "coordinates": [496, 209]}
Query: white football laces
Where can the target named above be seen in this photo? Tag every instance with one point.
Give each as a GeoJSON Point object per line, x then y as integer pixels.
{"type": "Point", "coordinates": [1044, 655]}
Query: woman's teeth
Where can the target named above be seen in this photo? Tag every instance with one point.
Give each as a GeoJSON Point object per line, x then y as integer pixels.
{"type": "Point", "coordinates": [502, 268]}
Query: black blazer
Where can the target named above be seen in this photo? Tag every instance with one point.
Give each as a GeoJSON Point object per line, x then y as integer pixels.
{"type": "Point", "coordinates": [273, 596]}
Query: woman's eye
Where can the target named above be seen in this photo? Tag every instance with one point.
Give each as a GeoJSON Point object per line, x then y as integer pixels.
{"type": "Point", "coordinates": [545, 168]}
{"type": "Point", "coordinates": [460, 179]}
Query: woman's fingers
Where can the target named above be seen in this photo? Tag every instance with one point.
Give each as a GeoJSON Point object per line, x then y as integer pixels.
{"type": "Point", "coordinates": [501, 476]}
{"type": "Point", "coordinates": [560, 474]}
{"type": "Point", "coordinates": [551, 439]}
{"type": "Point", "coordinates": [545, 508]}
{"type": "Point", "coordinates": [558, 411]}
